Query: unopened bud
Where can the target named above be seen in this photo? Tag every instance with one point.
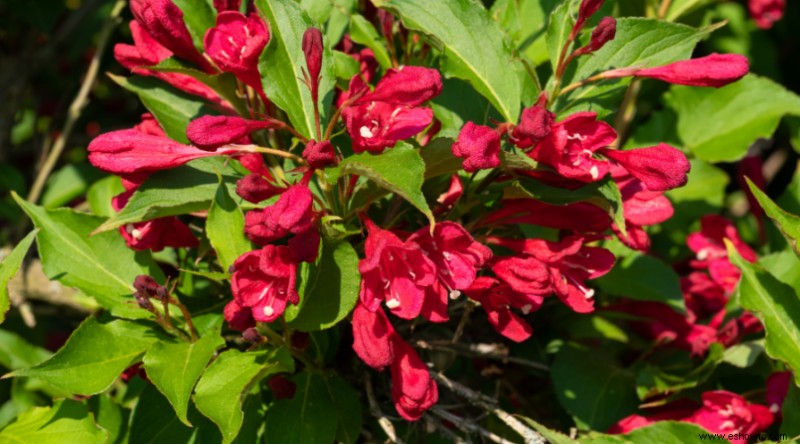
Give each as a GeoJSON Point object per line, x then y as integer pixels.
{"type": "Point", "coordinates": [319, 154]}
{"type": "Point", "coordinates": [143, 301]}
{"type": "Point", "coordinates": [603, 33]}
{"type": "Point", "coordinates": [312, 48]}
{"type": "Point", "coordinates": [146, 286]}
{"type": "Point", "coordinates": [252, 336]}
{"type": "Point", "coordinates": [587, 9]}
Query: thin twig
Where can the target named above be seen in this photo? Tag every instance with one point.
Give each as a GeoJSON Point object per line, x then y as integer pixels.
{"type": "Point", "coordinates": [468, 425]}
{"type": "Point", "coordinates": [445, 430]}
{"type": "Point", "coordinates": [483, 401]}
{"type": "Point", "coordinates": [77, 104]}
{"type": "Point", "coordinates": [375, 410]}
{"type": "Point", "coordinates": [479, 351]}
{"type": "Point", "coordinates": [664, 8]}
{"type": "Point", "coordinates": [464, 320]}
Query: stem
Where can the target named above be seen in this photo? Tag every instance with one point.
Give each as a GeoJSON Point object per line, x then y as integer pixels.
{"type": "Point", "coordinates": [582, 83]}
{"type": "Point", "coordinates": [186, 316]}
{"type": "Point", "coordinates": [664, 8]}
{"type": "Point", "coordinates": [77, 105]}
{"type": "Point", "coordinates": [383, 421]}
{"type": "Point", "coordinates": [276, 339]}
{"type": "Point", "coordinates": [468, 425]}
{"type": "Point", "coordinates": [261, 149]}
{"type": "Point", "coordinates": [627, 110]}
{"type": "Point", "coordinates": [464, 320]}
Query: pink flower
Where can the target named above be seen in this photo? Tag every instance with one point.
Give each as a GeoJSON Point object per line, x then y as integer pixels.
{"type": "Point", "coordinates": [535, 123]}
{"type": "Point", "coordinates": [455, 254]}
{"type": "Point", "coordinates": [394, 271]}
{"type": "Point", "coordinates": [265, 281]}
{"type": "Point", "coordinates": [567, 264]}
{"type": "Point", "coordinates": [605, 31]}
{"type": "Point", "coordinates": [146, 51]}
{"type": "Point", "coordinates": [570, 147]}
{"type": "Point", "coordinates": [766, 12]}
{"type": "Point", "coordinates": [777, 389]}
{"type": "Point", "coordinates": [641, 207]}
{"type": "Point", "coordinates": [497, 300]}
{"type": "Point", "coordinates": [164, 21]}
{"type": "Point", "coordinates": [227, 5]}
{"type": "Point", "coordinates": [703, 296]}
{"type": "Point", "coordinates": [449, 198]}
{"type": "Point", "coordinates": [320, 154]}
{"type": "Point", "coordinates": [235, 45]}
{"type": "Point", "coordinates": [413, 389]}
{"type": "Point", "coordinates": [711, 253]}
{"type": "Point", "coordinates": [211, 132]}
{"type": "Point", "coordinates": [660, 168]}
{"type": "Point", "coordinates": [372, 337]}
{"type": "Point", "coordinates": [728, 413]}
{"type": "Point", "coordinates": [581, 216]}
{"type": "Point", "coordinates": [715, 70]}
{"type": "Point", "coordinates": [255, 188]}
{"type": "Point", "coordinates": [291, 214]}
{"type": "Point", "coordinates": [479, 146]}
{"type": "Point", "coordinates": [391, 112]}
{"type": "Point", "coordinates": [312, 49]}
{"type": "Point", "coordinates": [587, 9]}
{"type": "Point", "coordinates": [238, 318]}
{"type": "Point", "coordinates": [155, 234]}
{"type": "Point", "coordinates": [673, 411]}
{"type": "Point", "coordinates": [129, 151]}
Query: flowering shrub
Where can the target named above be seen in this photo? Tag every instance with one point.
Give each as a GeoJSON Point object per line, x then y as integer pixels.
{"type": "Point", "coordinates": [324, 191]}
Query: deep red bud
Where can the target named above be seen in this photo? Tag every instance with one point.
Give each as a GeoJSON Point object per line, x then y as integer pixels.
{"type": "Point", "coordinates": [312, 48]}
{"type": "Point", "coordinates": [211, 132]}
{"type": "Point", "coordinates": [603, 33]}
{"type": "Point", "coordinates": [319, 154]}
{"type": "Point", "coordinates": [479, 146]}
{"type": "Point", "coordinates": [254, 188]}
{"type": "Point", "coordinates": [535, 124]}
{"type": "Point", "coordinates": [252, 336]}
{"type": "Point", "coordinates": [715, 70]}
{"type": "Point", "coordinates": [227, 5]}
{"type": "Point", "coordinates": [146, 285]}
{"type": "Point", "coordinates": [587, 9]}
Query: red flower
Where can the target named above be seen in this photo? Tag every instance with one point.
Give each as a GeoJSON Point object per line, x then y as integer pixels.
{"type": "Point", "coordinates": [497, 300]}
{"type": "Point", "coordinates": [126, 152]}
{"type": "Point", "coordinates": [256, 188]}
{"type": "Point", "coordinates": [535, 123]}
{"type": "Point", "coordinates": [235, 45]}
{"type": "Point", "coordinates": [728, 413]}
{"type": "Point", "coordinates": [164, 21]}
{"type": "Point", "coordinates": [155, 234]}
{"type": "Point", "coordinates": [413, 389]}
{"type": "Point", "coordinates": [211, 132]}
{"type": "Point", "coordinates": [451, 196]}
{"type": "Point", "coordinates": [571, 145]}
{"type": "Point", "coordinates": [319, 154]}
{"type": "Point", "coordinates": [372, 337]}
{"type": "Point", "coordinates": [766, 12]}
{"type": "Point", "coordinates": [715, 70]}
{"type": "Point", "coordinates": [391, 112]}
{"type": "Point", "coordinates": [146, 51]}
{"type": "Point", "coordinates": [265, 281]}
{"type": "Point", "coordinates": [660, 168]}
{"type": "Point", "coordinates": [394, 271]}
{"type": "Point", "coordinates": [479, 146]}
{"type": "Point", "coordinates": [238, 318]}
{"type": "Point", "coordinates": [710, 249]}
{"type": "Point", "coordinates": [703, 296]}
{"type": "Point", "coordinates": [777, 389]}
{"type": "Point", "coordinates": [227, 5]}
{"type": "Point", "coordinates": [454, 253]}
{"type": "Point", "coordinates": [581, 216]}
{"type": "Point", "coordinates": [291, 214]}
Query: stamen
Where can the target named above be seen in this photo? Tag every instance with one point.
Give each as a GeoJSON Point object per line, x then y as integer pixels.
{"type": "Point", "coordinates": [365, 132]}
{"type": "Point", "coordinates": [454, 294]}
{"type": "Point", "coordinates": [392, 303]}
{"type": "Point", "coordinates": [268, 311]}
{"type": "Point", "coordinates": [526, 308]}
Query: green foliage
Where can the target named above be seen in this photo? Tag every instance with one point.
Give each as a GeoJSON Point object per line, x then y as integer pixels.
{"type": "Point", "coordinates": [646, 278]}
{"type": "Point", "coordinates": [8, 269]}
{"type": "Point", "coordinates": [788, 224]}
{"type": "Point", "coordinates": [66, 422]}
{"type": "Point", "coordinates": [225, 228]}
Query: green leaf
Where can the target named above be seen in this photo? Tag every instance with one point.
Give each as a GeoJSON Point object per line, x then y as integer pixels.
{"type": "Point", "coordinates": [597, 398]}
{"type": "Point", "coordinates": [439, 159]}
{"type": "Point", "coordinates": [330, 289]}
{"type": "Point", "coordinates": [662, 432]}
{"type": "Point", "coordinates": [383, 169]}
{"type": "Point", "coordinates": [745, 354]}
{"type": "Point", "coordinates": [559, 26]}
{"type": "Point", "coordinates": [777, 306]}
{"type": "Point", "coordinates": [791, 412]}
{"type": "Point", "coordinates": [94, 356]}
{"type": "Point", "coordinates": [16, 352]}
{"type": "Point", "coordinates": [67, 184]}
{"type": "Point", "coordinates": [639, 42]}
{"type": "Point", "coordinates": [704, 193]}
{"type": "Point", "coordinates": [183, 190]}
{"type": "Point", "coordinates": [223, 386]}
{"type": "Point", "coordinates": [346, 67]}
{"type": "Point", "coordinates": [323, 410]}
{"type": "Point", "coordinates": [100, 266]}
{"type": "Point", "coordinates": [679, 8]}
{"type": "Point", "coordinates": [362, 32]}
{"type": "Point", "coordinates": [788, 223]}
{"type": "Point", "coordinates": [100, 194]}
{"type": "Point", "coordinates": [67, 422]}
{"type": "Point", "coordinates": [644, 278]}
{"type": "Point", "coordinates": [174, 368]}
{"type": "Point", "coordinates": [225, 228]}
{"type": "Point", "coordinates": [472, 46]}
{"type": "Point", "coordinates": [666, 380]}
{"type": "Point", "coordinates": [224, 84]}
{"type": "Point", "coordinates": [172, 108]}
{"type": "Point", "coordinates": [711, 123]}
{"type": "Point", "coordinates": [8, 269]}
{"type": "Point", "coordinates": [552, 436]}
{"type": "Point", "coordinates": [152, 421]}
{"type": "Point", "coordinates": [282, 62]}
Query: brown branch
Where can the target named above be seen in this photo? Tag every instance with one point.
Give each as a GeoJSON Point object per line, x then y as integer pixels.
{"type": "Point", "coordinates": [375, 410]}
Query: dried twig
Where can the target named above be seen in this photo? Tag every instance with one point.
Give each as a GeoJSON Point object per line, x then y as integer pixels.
{"type": "Point", "coordinates": [468, 425]}
{"type": "Point", "coordinates": [383, 421]}
{"type": "Point", "coordinates": [483, 401]}
{"type": "Point", "coordinates": [486, 351]}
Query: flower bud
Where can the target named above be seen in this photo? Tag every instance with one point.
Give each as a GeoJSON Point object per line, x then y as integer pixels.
{"type": "Point", "coordinates": [603, 33]}
{"type": "Point", "coordinates": [254, 188]}
{"type": "Point", "coordinates": [479, 146]}
{"type": "Point", "coordinates": [587, 9]}
{"type": "Point", "coordinates": [319, 154]}
{"type": "Point", "coordinates": [312, 48]}
{"type": "Point", "coordinates": [211, 132]}
{"type": "Point", "coordinates": [252, 336]}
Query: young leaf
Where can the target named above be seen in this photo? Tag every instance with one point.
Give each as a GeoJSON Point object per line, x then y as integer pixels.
{"type": "Point", "coordinates": [788, 223]}
{"type": "Point", "coordinates": [66, 422]}
{"type": "Point", "coordinates": [711, 123]}
{"type": "Point", "coordinates": [172, 108]}
{"type": "Point", "coordinates": [645, 278]}
{"type": "Point", "coordinates": [472, 46]}
{"type": "Point", "coordinates": [16, 352]}
{"type": "Point", "coordinates": [282, 63]}
{"type": "Point", "coordinates": [559, 26]}
{"type": "Point", "coordinates": [199, 16]}
{"type": "Point", "coordinates": [94, 356]}
{"type": "Point", "coordinates": [100, 266]}
{"type": "Point", "coordinates": [362, 32]}
{"type": "Point", "coordinates": [598, 398]}
{"type": "Point", "coordinates": [323, 410]}
{"type": "Point", "coordinates": [662, 432]}
{"type": "Point", "coordinates": [9, 268]}
{"type": "Point", "coordinates": [100, 194]}
{"type": "Point", "coordinates": [777, 306]}
{"type": "Point", "coordinates": [330, 291]}
{"type": "Point", "coordinates": [175, 367]}
{"type": "Point", "coordinates": [152, 421]}
{"type": "Point", "coordinates": [181, 190]}
{"type": "Point", "coordinates": [638, 42]}
{"type": "Point", "coordinates": [221, 389]}
{"type": "Point", "coordinates": [383, 170]}
{"type": "Point", "coordinates": [225, 228]}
